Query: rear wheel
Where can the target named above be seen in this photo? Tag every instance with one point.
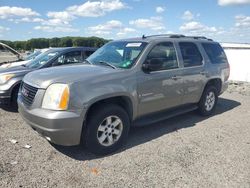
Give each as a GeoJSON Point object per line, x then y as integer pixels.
{"type": "Point", "coordinates": [106, 129]}
{"type": "Point", "coordinates": [208, 101]}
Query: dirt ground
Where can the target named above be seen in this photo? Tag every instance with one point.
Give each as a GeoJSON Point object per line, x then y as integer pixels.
{"type": "Point", "coordinates": [185, 151]}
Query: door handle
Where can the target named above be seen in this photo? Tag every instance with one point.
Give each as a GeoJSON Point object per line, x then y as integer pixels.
{"type": "Point", "coordinates": [175, 77]}
{"type": "Point", "coordinates": [204, 73]}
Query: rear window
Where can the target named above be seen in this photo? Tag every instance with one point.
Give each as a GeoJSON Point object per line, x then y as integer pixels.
{"type": "Point", "coordinates": [215, 53]}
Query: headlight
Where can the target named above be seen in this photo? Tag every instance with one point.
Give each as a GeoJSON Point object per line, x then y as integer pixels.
{"type": "Point", "coordinates": [56, 97]}
{"type": "Point", "coordinates": [4, 78]}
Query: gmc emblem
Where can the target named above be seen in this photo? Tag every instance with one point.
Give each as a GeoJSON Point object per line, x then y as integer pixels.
{"type": "Point", "coordinates": [25, 92]}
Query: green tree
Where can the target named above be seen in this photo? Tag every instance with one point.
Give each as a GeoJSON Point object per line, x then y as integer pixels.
{"type": "Point", "coordinates": [38, 43]}
{"type": "Point", "coordinates": [54, 42]}
{"type": "Point", "coordinates": [66, 42]}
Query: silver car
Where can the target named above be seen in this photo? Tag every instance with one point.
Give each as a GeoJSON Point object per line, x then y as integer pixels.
{"type": "Point", "coordinates": [11, 77]}
{"type": "Point", "coordinates": [125, 83]}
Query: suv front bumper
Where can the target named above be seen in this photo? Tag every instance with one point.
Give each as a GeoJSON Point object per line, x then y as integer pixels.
{"type": "Point", "coordinates": [59, 127]}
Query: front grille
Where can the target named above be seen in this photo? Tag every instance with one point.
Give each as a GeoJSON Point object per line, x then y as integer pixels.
{"type": "Point", "coordinates": [28, 93]}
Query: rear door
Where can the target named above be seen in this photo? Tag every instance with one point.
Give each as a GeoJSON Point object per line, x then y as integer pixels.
{"type": "Point", "coordinates": [194, 72]}
{"type": "Point", "coordinates": [160, 89]}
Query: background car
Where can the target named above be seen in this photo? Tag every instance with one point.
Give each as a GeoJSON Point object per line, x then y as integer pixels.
{"type": "Point", "coordinates": [10, 78]}
{"type": "Point", "coordinates": [25, 59]}
{"type": "Point", "coordinates": [8, 54]}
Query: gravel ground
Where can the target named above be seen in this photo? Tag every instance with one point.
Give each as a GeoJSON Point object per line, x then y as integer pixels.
{"type": "Point", "coordinates": [185, 151]}
{"type": "Point", "coordinates": [242, 88]}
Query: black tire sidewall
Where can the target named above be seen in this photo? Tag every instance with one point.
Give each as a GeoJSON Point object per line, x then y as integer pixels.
{"type": "Point", "coordinates": [93, 122]}
{"type": "Point", "coordinates": [14, 97]}
{"type": "Point", "coordinates": [202, 108]}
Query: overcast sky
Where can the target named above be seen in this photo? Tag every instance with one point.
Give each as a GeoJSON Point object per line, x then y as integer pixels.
{"type": "Point", "coordinates": [222, 20]}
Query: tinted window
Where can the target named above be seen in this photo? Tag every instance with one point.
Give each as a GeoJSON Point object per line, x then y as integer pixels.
{"type": "Point", "coordinates": [190, 54]}
{"type": "Point", "coordinates": [88, 53]}
{"type": "Point", "coordinates": [70, 58]}
{"type": "Point", "coordinates": [215, 53]}
{"type": "Point", "coordinates": [165, 55]}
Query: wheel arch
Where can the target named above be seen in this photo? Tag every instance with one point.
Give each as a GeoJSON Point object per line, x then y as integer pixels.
{"type": "Point", "coordinates": [123, 101]}
{"type": "Point", "coordinates": [216, 82]}
{"type": "Point", "coordinates": [14, 87]}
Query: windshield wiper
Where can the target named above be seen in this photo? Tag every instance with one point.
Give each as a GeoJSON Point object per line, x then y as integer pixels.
{"type": "Point", "coordinates": [107, 64]}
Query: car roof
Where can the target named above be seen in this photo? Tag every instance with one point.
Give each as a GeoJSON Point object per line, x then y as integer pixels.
{"type": "Point", "coordinates": [65, 49]}
{"type": "Point", "coordinates": [169, 37]}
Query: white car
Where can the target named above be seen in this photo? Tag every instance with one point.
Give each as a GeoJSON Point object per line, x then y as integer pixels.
{"type": "Point", "coordinates": [25, 59]}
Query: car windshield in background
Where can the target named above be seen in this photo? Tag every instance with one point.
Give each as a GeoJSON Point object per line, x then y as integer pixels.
{"type": "Point", "coordinates": [42, 59]}
{"type": "Point", "coordinates": [33, 55]}
{"type": "Point", "coordinates": [118, 54]}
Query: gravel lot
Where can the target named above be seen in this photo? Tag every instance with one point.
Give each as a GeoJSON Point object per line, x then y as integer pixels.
{"type": "Point", "coordinates": [185, 151]}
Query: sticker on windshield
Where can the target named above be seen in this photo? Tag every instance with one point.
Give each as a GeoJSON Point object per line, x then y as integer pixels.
{"type": "Point", "coordinates": [52, 54]}
{"type": "Point", "coordinates": [137, 44]}
{"type": "Point", "coordinates": [126, 64]}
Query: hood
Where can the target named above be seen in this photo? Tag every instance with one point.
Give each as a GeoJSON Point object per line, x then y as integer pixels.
{"type": "Point", "coordinates": [15, 70]}
{"type": "Point", "coordinates": [13, 64]}
{"type": "Point", "coordinates": [66, 74]}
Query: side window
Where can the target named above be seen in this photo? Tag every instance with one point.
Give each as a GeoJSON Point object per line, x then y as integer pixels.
{"type": "Point", "coordinates": [163, 54]}
{"type": "Point", "coordinates": [215, 53]}
{"type": "Point", "coordinates": [88, 53]}
{"type": "Point", "coordinates": [70, 58]}
{"type": "Point", "coordinates": [190, 54]}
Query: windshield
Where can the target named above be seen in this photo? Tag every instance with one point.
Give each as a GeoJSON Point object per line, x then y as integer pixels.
{"type": "Point", "coordinates": [33, 55]}
{"type": "Point", "coordinates": [42, 59]}
{"type": "Point", "coordinates": [118, 54]}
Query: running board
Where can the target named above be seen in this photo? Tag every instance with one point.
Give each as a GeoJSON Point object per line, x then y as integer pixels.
{"type": "Point", "coordinates": [163, 115]}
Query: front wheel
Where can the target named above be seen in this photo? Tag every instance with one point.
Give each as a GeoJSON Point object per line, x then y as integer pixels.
{"type": "Point", "coordinates": [106, 129]}
{"type": "Point", "coordinates": [14, 97]}
{"type": "Point", "coordinates": [208, 101]}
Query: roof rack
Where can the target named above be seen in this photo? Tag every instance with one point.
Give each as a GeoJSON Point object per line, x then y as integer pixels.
{"type": "Point", "coordinates": [176, 36]}
{"type": "Point", "coordinates": [164, 35]}
{"type": "Point", "coordinates": [199, 37]}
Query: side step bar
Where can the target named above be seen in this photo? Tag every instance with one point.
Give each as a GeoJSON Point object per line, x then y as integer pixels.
{"type": "Point", "coordinates": [163, 115]}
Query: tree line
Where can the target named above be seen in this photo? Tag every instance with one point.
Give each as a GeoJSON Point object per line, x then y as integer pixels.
{"type": "Point", "coordinates": [39, 43]}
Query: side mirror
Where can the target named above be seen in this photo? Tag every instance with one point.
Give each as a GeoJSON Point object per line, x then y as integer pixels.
{"type": "Point", "coordinates": [151, 65]}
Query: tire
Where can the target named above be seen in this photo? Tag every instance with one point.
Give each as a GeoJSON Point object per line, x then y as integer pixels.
{"type": "Point", "coordinates": [13, 102]}
{"type": "Point", "coordinates": [106, 129]}
{"type": "Point", "coordinates": [208, 101]}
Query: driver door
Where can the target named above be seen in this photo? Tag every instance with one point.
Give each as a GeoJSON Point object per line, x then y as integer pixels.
{"type": "Point", "coordinates": [162, 88]}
